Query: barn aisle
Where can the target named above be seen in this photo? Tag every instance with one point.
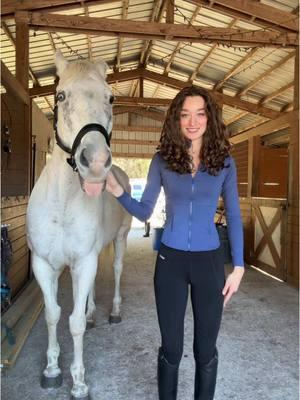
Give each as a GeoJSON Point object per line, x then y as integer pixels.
{"type": "Point", "coordinates": [257, 344]}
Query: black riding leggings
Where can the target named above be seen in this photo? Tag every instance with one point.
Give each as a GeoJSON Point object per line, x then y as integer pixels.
{"type": "Point", "coordinates": [204, 271]}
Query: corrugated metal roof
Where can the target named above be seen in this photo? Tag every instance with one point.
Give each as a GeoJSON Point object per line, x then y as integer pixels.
{"type": "Point", "coordinates": [206, 63]}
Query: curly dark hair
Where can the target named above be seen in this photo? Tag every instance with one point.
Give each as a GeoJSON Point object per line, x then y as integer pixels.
{"type": "Point", "coordinates": [174, 146]}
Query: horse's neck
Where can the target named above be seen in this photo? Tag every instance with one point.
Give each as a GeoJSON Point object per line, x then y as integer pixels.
{"type": "Point", "coordinates": [64, 181]}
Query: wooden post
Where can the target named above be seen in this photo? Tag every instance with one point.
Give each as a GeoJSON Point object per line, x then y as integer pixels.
{"type": "Point", "coordinates": [22, 75]}
{"type": "Point", "coordinates": [255, 167]}
{"type": "Point", "coordinates": [22, 52]}
{"type": "Point", "coordinates": [292, 243]}
{"type": "Point", "coordinates": [141, 87]}
{"type": "Point", "coordinates": [250, 167]}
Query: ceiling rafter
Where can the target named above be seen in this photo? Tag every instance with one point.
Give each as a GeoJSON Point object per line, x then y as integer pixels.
{"type": "Point", "coordinates": [179, 44]}
{"type": "Point", "coordinates": [264, 14]}
{"type": "Point", "coordinates": [220, 97]}
{"type": "Point", "coordinates": [236, 68]}
{"type": "Point", "coordinates": [276, 93]}
{"type": "Point", "coordinates": [205, 59]}
{"type": "Point", "coordinates": [88, 38]}
{"type": "Point", "coordinates": [31, 73]}
{"type": "Point", "coordinates": [155, 30]}
{"type": "Point", "coordinates": [176, 84]}
{"type": "Point", "coordinates": [235, 117]}
{"type": "Point", "coordinates": [266, 73]}
{"type": "Point", "coordinates": [51, 40]}
{"type": "Point", "coordinates": [9, 7]}
{"type": "Point", "coordinates": [156, 14]}
{"type": "Point", "coordinates": [13, 42]}
{"type": "Point", "coordinates": [258, 122]}
{"type": "Point", "coordinates": [287, 108]}
{"type": "Point", "coordinates": [121, 39]}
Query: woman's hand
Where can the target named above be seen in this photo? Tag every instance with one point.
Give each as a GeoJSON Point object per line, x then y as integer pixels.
{"type": "Point", "coordinates": [232, 283]}
{"type": "Point", "coordinates": [113, 186]}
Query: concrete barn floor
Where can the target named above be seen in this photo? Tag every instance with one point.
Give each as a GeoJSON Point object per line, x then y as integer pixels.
{"type": "Point", "coordinates": [257, 344]}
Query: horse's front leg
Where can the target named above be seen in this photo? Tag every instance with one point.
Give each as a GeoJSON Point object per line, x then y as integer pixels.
{"type": "Point", "coordinates": [47, 278]}
{"type": "Point", "coordinates": [91, 308]}
{"type": "Point", "coordinates": [83, 276]}
{"type": "Point", "coordinates": [120, 248]}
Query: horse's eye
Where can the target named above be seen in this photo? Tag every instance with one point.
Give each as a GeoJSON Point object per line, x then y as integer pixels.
{"type": "Point", "coordinates": [111, 99]}
{"type": "Point", "coordinates": [60, 96]}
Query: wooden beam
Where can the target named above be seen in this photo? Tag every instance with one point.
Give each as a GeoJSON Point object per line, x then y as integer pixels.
{"type": "Point", "coordinates": [141, 101]}
{"type": "Point", "coordinates": [157, 116]}
{"type": "Point", "coordinates": [141, 85]}
{"type": "Point", "coordinates": [235, 118]}
{"type": "Point", "coordinates": [275, 125]}
{"type": "Point", "coordinates": [13, 42]}
{"type": "Point", "coordinates": [132, 155]}
{"type": "Point", "coordinates": [31, 73]}
{"type": "Point", "coordinates": [170, 82]}
{"type": "Point", "coordinates": [258, 10]}
{"type": "Point", "coordinates": [250, 167]}
{"type": "Point", "coordinates": [179, 45]}
{"type": "Point", "coordinates": [254, 124]}
{"type": "Point", "coordinates": [209, 53]}
{"type": "Point", "coordinates": [266, 73]}
{"type": "Point", "coordinates": [156, 31]}
{"type": "Point", "coordinates": [10, 82]}
{"type": "Point", "coordinates": [120, 41]}
{"type": "Point", "coordinates": [169, 12]}
{"type": "Point", "coordinates": [88, 38]}
{"type": "Point", "coordinates": [276, 93]}
{"type": "Point", "coordinates": [236, 68]}
{"type": "Point", "coordinates": [156, 15]}
{"type": "Point", "coordinates": [40, 91]}
{"type": "Point", "coordinates": [52, 42]}
{"type": "Point", "coordinates": [137, 128]}
{"type": "Point", "coordinates": [219, 97]}
{"type": "Point", "coordinates": [135, 142]}
{"type": "Point", "coordinates": [144, 112]}
{"type": "Point", "coordinates": [288, 107]}
{"type": "Point", "coordinates": [22, 52]}
{"type": "Point", "coordinates": [296, 79]}
{"type": "Point", "coordinates": [125, 75]}
{"type": "Point", "coordinates": [9, 7]}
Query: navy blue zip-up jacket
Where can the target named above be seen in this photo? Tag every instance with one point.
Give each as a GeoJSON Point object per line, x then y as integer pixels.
{"type": "Point", "coordinates": [191, 203]}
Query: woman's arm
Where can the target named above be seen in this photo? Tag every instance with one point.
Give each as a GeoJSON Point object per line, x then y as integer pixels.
{"type": "Point", "coordinates": [235, 231]}
{"type": "Point", "coordinates": [144, 208]}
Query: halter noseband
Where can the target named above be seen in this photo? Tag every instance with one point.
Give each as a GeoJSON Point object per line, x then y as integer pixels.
{"type": "Point", "coordinates": [83, 131]}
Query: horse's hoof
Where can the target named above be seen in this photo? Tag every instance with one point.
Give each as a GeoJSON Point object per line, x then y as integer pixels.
{"type": "Point", "coordinates": [87, 397]}
{"type": "Point", "coordinates": [90, 325]}
{"type": "Point", "coordinates": [51, 382]}
{"type": "Point", "coordinates": [115, 319]}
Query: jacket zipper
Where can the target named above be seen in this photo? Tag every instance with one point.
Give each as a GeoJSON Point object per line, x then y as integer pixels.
{"type": "Point", "coordinates": [190, 216]}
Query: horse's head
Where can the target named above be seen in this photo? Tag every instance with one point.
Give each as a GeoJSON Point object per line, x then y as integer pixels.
{"type": "Point", "coordinates": [84, 119]}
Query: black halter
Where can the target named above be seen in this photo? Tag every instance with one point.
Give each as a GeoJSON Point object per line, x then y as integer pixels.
{"type": "Point", "coordinates": [83, 131]}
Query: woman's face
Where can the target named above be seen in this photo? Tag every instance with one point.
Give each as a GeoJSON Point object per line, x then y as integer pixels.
{"type": "Point", "coordinates": [193, 118]}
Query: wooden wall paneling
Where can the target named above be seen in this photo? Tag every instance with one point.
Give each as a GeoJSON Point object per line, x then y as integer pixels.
{"type": "Point", "coordinates": [13, 213]}
{"type": "Point", "coordinates": [240, 155]}
{"type": "Point", "coordinates": [14, 164]}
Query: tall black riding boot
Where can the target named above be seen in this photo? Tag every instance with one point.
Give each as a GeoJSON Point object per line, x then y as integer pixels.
{"type": "Point", "coordinates": [167, 377]}
{"type": "Point", "coordinates": [205, 379]}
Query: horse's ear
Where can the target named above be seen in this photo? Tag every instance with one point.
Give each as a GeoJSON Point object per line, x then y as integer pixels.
{"type": "Point", "coordinates": [60, 62]}
{"type": "Point", "coordinates": [102, 68]}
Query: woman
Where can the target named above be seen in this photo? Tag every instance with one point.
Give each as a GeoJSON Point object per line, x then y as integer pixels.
{"type": "Point", "coordinates": [194, 167]}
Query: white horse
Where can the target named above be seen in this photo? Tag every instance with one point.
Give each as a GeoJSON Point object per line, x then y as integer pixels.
{"type": "Point", "coordinates": [70, 216]}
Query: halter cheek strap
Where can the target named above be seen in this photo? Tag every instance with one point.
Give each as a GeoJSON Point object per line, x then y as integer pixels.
{"type": "Point", "coordinates": [83, 131]}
